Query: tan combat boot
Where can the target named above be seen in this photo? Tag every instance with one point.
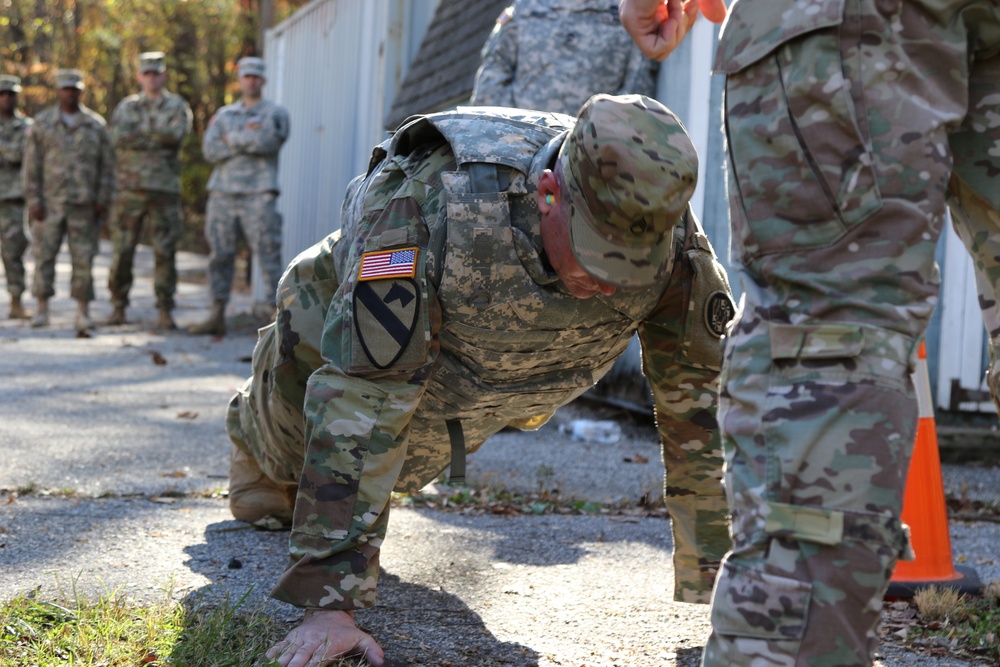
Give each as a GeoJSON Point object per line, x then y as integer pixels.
{"type": "Point", "coordinates": [215, 325]}
{"type": "Point", "coordinates": [83, 322]}
{"type": "Point", "coordinates": [41, 318]}
{"type": "Point", "coordinates": [117, 315]}
{"type": "Point", "coordinates": [254, 496]}
{"type": "Point", "coordinates": [166, 320]}
{"type": "Point", "coordinates": [17, 311]}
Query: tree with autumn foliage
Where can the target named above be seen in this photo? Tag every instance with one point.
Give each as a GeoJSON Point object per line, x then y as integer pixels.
{"type": "Point", "coordinates": [203, 39]}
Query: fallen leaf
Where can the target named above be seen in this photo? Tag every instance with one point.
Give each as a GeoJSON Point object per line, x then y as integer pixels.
{"type": "Point", "coordinates": [175, 473]}
{"type": "Point", "coordinates": [158, 358]}
{"type": "Point", "coordinates": [187, 414]}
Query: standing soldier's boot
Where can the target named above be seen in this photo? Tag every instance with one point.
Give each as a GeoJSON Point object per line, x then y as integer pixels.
{"type": "Point", "coordinates": [215, 325]}
{"type": "Point", "coordinates": [166, 320]}
{"type": "Point", "coordinates": [117, 314]}
{"type": "Point", "coordinates": [41, 318]}
{"type": "Point", "coordinates": [17, 311]}
{"type": "Point", "coordinates": [83, 322]}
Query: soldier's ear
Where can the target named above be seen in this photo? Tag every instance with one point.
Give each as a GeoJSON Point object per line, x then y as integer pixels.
{"type": "Point", "coordinates": [548, 191]}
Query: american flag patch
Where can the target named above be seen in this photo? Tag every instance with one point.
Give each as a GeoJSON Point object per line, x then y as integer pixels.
{"type": "Point", "coordinates": [388, 264]}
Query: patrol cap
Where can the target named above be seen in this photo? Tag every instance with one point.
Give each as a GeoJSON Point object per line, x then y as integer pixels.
{"type": "Point", "coordinates": [630, 169]}
{"type": "Point", "coordinates": [10, 83]}
{"type": "Point", "coordinates": [251, 66]}
{"type": "Point", "coordinates": [69, 78]}
{"type": "Point", "coordinates": [152, 61]}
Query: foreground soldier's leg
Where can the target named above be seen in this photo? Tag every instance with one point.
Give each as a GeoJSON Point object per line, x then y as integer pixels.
{"type": "Point", "coordinates": [839, 169]}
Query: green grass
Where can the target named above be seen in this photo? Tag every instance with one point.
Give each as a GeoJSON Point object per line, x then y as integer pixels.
{"type": "Point", "coordinates": [942, 621]}
{"type": "Point", "coordinates": [113, 632]}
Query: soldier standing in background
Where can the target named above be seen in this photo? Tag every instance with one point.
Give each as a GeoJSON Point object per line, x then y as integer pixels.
{"type": "Point", "coordinates": [14, 241]}
{"type": "Point", "coordinates": [243, 140]}
{"type": "Point", "coordinates": [554, 54]}
{"type": "Point", "coordinates": [148, 129]}
{"type": "Point", "coordinates": [68, 186]}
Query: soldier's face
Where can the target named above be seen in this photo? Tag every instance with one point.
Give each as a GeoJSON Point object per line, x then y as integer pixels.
{"type": "Point", "coordinates": [8, 101]}
{"type": "Point", "coordinates": [69, 97]}
{"type": "Point", "coordinates": [557, 244]}
{"type": "Point", "coordinates": [152, 82]}
{"type": "Point", "coordinates": [251, 85]}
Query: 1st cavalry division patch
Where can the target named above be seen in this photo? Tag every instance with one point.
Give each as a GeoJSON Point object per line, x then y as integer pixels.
{"type": "Point", "coordinates": [386, 304]}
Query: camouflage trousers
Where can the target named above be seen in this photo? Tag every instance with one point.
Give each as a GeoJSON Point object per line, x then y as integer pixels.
{"type": "Point", "coordinates": [846, 138]}
{"type": "Point", "coordinates": [13, 243]}
{"type": "Point", "coordinates": [81, 228]}
{"type": "Point", "coordinates": [255, 217]}
{"type": "Point", "coordinates": [131, 209]}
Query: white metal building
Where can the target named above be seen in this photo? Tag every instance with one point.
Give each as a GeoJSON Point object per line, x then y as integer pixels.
{"type": "Point", "coordinates": [337, 65]}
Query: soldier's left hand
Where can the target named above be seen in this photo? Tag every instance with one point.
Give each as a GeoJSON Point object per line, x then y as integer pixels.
{"type": "Point", "coordinates": [323, 636]}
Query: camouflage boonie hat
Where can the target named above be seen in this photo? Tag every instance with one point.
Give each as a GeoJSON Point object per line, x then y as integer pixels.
{"type": "Point", "coordinates": [152, 61]}
{"type": "Point", "coordinates": [630, 169]}
{"type": "Point", "coordinates": [251, 66]}
{"type": "Point", "coordinates": [69, 78]}
{"type": "Point", "coordinates": [10, 83]}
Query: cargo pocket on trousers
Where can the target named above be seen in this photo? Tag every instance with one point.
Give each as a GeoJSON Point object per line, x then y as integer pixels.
{"type": "Point", "coordinates": [799, 145]}
{"type": "Point", "coordinates": [754, 604]}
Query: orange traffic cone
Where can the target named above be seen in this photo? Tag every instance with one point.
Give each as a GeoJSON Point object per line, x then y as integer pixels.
{"type": "Point", "coordinates": [924, 509]}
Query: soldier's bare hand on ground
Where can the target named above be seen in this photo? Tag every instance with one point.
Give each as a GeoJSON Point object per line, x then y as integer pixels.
{"type": "Point", "coordinates": [37, 212]}
{"type": "Point", "coordinates": [324, 636]}
{"type": "Point", "coordinates": [659, 26]}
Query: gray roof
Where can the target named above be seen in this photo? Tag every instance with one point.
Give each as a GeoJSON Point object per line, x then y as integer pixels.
{"type": "Point", "coordinates": [444, 69]}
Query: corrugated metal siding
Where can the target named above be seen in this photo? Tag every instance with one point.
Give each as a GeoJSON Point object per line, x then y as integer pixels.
{"type": "Point", "coordinates": [335, 65]}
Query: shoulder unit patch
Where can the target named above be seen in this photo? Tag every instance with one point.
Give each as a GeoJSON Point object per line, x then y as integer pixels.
{"type": "Point", "coordinates": [386, 313]}
{"type": "Point", "coordinates": [719, 310]}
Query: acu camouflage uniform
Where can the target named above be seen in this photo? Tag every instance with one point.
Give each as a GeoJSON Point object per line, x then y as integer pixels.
{"type": "Point", "coordinates": [360, 385]}
{"type": "Point", "coordinates": [147, 135]}
{"type": "Point", "coordinates": [850, 123]}
{"type": "Point", "coordinates": [69, 170]}
{"type": "Point", "coordinates": [243, 144]}
{"type": "Point", "coordinates": [13, 134]}
{"type": "Point", "coordinates": [553, 55]}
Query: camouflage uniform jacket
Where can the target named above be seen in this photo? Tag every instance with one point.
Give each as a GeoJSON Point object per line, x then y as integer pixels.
{"type": "Point", "coordinates": [475, 329]}
{"type": "Point", "coordinates": [147, 134]}
{"type": "Point", "coordinates": [69, 165]}
{"type": "Point", "coordinates": [553, 55]}
{"type": "Point", "coordinates": [13, 134]}
{"type": "Point", "coordinates": [245, 157]}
